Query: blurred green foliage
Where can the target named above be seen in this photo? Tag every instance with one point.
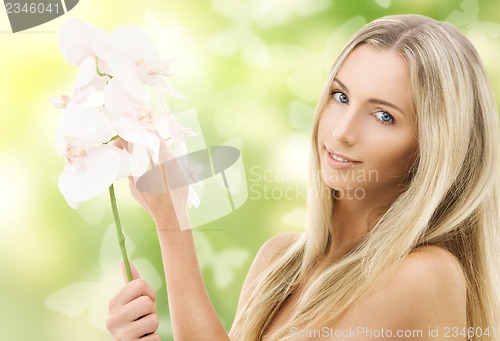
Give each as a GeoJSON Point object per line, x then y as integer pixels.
{"type": "Point", "coordinates": [252, 69]}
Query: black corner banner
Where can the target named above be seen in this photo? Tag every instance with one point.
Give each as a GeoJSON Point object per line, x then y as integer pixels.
{"type": "Point", "coordinates": [25, 14]}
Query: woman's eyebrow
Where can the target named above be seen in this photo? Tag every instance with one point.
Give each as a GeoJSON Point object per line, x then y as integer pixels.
{"type": "Point", "coordinates": [373, 100]}
{"type": "Point", "coordinates": [341, 84]}
{"type": "Point", "coordinates": [388, 104]}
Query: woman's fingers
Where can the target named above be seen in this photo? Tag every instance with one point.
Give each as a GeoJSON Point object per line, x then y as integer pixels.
{"type": "Point", "coordinates": [130, 292]}
{"type": "Point", "coordinates": [141, 329]}
{"type": "Point", "coordinates": [135, 273]}
{"type": "Point", "coordinates": [128, 316]}
{"type": "Point", "coordinates": [147, 325]}
{"type": "Point", "coordinates": [132, 313]}
{"type": "Point", "coordinates": [138, 308]}
{"type": "Point", "coordinates": [151, 337]}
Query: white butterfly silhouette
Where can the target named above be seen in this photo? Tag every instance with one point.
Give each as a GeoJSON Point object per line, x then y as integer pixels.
{"type": "Point", "coordinates": [296, 218]}
{"type": "Point", "coordinates": [275, 12]}
{"type": "Point", "coordinates": [189, 61]}
{"type": "Point", "coordinates": [384, 3]}
{"type": "Point", "coordinates": [267, 13]}
{"type": "Point", "coordinates": [306, 71]}
{"type": "Point", "coordinates": [78, 298]}
{"type": "Point", "coordinates": [237, 108]}
{"type": "Point", "coordinates": [223, 264]}
{"type": "Point", "coordinates": [241, 38]}
{"type": "Point", "coordinates": [300, 116]}
{"type": "Point", "coordinates": [245, 14]}
{"type": "Point", "coordinates": [468, 19]}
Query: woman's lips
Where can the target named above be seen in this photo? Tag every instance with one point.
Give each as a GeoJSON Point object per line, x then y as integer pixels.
{"type": "Point", "coordinates": [339, 161]}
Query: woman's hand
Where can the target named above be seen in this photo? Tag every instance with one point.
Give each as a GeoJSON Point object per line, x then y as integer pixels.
{"type": "Point", "coordinates": [169, 207]}
{"type": "Point", "coordinates": [132, 312]}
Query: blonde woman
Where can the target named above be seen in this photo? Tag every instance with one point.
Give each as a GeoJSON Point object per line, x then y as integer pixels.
{"type": "Point", "coordinates": [404, 233]}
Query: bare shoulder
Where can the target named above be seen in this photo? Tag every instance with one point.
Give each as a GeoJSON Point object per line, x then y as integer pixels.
{"type": "Point", "coordinates": [437, 265]}
{"type": "Point", "coordinates": [426, 290]}
{"type": "Point", "coordinates": [275, 246]}
{"type": "Point", "coordinates": [436, 276]}
{"type": "Point", "coordinates": [269, 251]}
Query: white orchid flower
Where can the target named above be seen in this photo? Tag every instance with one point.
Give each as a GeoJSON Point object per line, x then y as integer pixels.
{"type": "Point", "coordinates": [88, 83]}
{"type": "Point", "coordinates": [92, 166]}
{"type": "Point", "coordinates": [177, 134]}
{"type": "Point", "coordinates": [77, 41]}
{"type": "Point", "coordinates": [142, 56]}
{"type": "Point", "coordinates": [111, 96]}
{"type": "Point", "coordinates": [60, 102]}
{"type": "Point", "coordinates": [133, 120]}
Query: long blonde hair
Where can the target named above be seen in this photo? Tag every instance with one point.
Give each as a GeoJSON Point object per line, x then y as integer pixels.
{"type": "Point", "coordinates": [453, 191]}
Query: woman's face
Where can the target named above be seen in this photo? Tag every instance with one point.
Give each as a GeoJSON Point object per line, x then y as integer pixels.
{"type": "Point", "coordinates": [367, 134]}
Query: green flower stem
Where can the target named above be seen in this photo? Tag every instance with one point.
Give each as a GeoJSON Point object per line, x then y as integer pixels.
{"type": "Point", "coordinates": [119, 233]}
{"type": "Point", "coordinates": [99, 71]}
{"type": "Point", "coordinates": [112, 139]}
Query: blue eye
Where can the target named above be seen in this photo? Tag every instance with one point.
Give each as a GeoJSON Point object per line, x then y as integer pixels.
{"type": "Point", "coordinates": [385, 117]}
{"type": "Point", "coordinates": [340, 97]}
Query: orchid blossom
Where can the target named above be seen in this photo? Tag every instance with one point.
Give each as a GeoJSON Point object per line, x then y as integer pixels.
{"type": "Point", "coordinates": [133, 119]}
{"type": "Point", "coordinates": [118, 74]}
{"type": "Point", "coordinates": [88, 82]}
{"type": "Point", "coordinates": [91, 165]}
{"type": "Point", "coordinates": [150, 69]}
{"type": "Point", "coordinates": [76, 40]}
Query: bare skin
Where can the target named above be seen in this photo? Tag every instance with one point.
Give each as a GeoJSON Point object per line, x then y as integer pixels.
{"type": "Point", "coordinates": [427, 290]}
{"type": "Point", "coordinates": [132, 312]}
{"type": "Point", "coordinates": [359, 125]}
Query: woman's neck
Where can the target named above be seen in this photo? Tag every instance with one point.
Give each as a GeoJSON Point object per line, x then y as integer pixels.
{"type": "Point", "coordinates": [354, 217]}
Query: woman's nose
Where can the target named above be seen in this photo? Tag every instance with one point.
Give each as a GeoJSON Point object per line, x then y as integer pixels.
{"type": "Point", "coordinates": [346, 130]}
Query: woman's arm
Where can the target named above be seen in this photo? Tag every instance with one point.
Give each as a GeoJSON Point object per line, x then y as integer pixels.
{"type": "Point", "coordinates": [192, 314]}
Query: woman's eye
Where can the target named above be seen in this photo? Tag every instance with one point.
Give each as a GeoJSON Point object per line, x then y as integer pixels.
{"type": "Point", "coordinates": [384, 116]}
{"type": "Point", "coordinates": [340, 97]}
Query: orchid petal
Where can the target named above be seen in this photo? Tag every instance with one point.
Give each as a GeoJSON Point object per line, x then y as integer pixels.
{"type": "Point", "coordinates": [75, 40]}
{"type": "Point", "coordinates": [87, 73]}
{"type": "Point", "coordinates": [135, 43]}
{"type": "Point", "coordinates": [90, 95]}
{"type": "Point", "coordinates": [92, 175]}
{"type": "Point", "coordinates": [161, 127]}
{"type": "Point", "coordinates": [139, 160]}
{"type": "Point", "coordinates": [125, 72]}
{"type": "Point", "coordinates": [121, 66]}
{"type": "Point", "coordinates": [85, 124]}
{"type": "Point", "coordinates": [167, 88]}
{"type": "Point", "coordinates": [59, 102]}
{"type": "Point", "coordinates": [132, 132]}
{"type": "Point", "coordinates": [117, 100]}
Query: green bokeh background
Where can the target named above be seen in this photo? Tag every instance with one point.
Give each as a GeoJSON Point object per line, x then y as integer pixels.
{"type": "Point", "coordinates": [252, 69]}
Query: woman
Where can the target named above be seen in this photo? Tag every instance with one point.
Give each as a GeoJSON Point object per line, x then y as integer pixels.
{"type": "Point", "coordinates": [403, 235]}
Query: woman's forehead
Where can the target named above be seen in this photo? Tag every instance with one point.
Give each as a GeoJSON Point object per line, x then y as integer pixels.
{"type": "Point", "coordinates": [370, 72]}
